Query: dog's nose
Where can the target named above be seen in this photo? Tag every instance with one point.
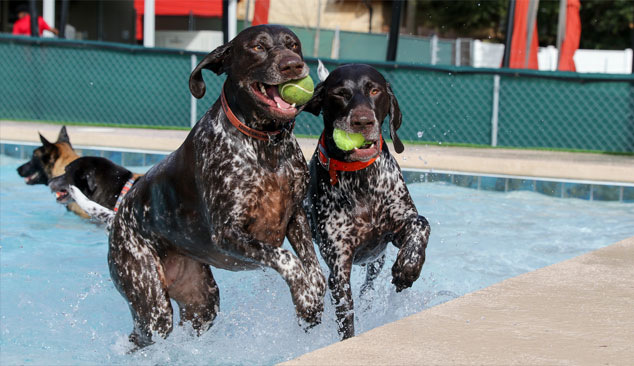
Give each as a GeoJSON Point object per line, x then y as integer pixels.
{"type": "Point", "coordinates": [362, 118]}
{"type": "Point", "coordinates": [291, 67]}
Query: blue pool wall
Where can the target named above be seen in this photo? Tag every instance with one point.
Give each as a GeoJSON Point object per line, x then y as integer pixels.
{"type": "Point", "coordinates": [599, 191]}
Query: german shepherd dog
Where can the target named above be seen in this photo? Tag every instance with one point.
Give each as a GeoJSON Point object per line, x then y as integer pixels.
{"type": "Point", "coordinates": [48, 161]}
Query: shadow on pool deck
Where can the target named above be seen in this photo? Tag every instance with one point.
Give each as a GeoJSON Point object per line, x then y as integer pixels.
{"type": "Point", "coordinates": [580, 311]}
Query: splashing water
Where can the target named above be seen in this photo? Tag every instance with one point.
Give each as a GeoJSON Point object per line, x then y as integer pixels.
{"type": "Point", "coordinates": [58, 305]}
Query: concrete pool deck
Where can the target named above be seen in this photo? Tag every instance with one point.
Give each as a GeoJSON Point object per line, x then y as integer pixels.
{"type": "Point", "coordinates": [579, 311]}
{"type": "Point", "coordinates": [529, 163]}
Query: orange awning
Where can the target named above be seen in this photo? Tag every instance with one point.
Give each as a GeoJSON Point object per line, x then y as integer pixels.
{"type": "Point", "coordinates": [519, 39]}
{"type": "Point", "coordinates": [200, 8]}
{"type": "Point", "coordinates": [261, 12]}
{"type": "Point", "coordinates": [572, 36]}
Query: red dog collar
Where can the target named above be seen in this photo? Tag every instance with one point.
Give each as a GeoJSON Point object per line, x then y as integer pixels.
{"type": "Point", "coordinates": [256, 134]}
{"type": "Point", "coordinates": [124, 191]}
{"type": "Point", "coordinates": [333, 166]}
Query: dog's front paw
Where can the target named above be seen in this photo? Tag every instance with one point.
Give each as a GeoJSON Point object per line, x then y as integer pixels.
{"type": "Point", "coordinates": [405, 272]}
{"type": "Point", "coordinates": [309, 317]}
{"type": "Point", "coordinates": [309, 306]}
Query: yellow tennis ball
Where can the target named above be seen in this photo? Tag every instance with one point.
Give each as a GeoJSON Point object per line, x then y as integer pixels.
{"type": "Point", "coordinates": [347, 141]}
{"type": "Point", "coordinates": [297, 91]}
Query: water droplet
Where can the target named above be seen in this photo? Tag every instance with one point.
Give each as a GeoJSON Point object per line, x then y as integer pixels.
{"type": "Point", "coordinates": [420, 134]}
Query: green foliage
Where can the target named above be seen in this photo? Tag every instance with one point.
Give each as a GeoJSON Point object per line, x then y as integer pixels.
{"type": "Point", "coordinates": [605, 24]}
{"type": "Point", "coordinates": [476, 19]}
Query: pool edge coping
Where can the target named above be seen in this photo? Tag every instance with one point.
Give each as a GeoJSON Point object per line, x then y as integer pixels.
{"type": "Point", "coordinates": [536, 318]}
{"type": "Point", "coordinates": [551, 165]}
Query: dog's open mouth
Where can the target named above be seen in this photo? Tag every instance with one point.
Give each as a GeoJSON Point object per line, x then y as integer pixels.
{"type": "Point", "coordinates": [62, 196]}
{"type": "Point", "coordinates": [269, 95]}
{"type": "Point", "coordinates": [366, 152]}
{"type": "Point", "coordinates": [31, 177]}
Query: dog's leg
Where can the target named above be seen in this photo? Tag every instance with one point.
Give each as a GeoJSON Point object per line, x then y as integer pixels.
{"type": "Point", "coordinates": [339, 284]}
{"type": "Point", "coordinates": [137, 272]}
{"type": "Point", "coordinates": [412, 242]}
{"type": "Point", "coordinates": [298, 234]}
{"type": "Point", "coordinates": [74, 208]}
{"type": "Point", "coordinates": [372, 272]}
{"type": "Point", "coordinates": [193, 287]}
{"type": "Point", "coordinates": [308, 306]}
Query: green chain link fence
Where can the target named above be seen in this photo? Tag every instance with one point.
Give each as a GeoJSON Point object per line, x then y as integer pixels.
{"type": "Point", "coordinates": [114, 84]}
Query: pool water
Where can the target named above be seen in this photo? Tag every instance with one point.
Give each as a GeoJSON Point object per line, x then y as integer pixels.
{"type": "Point", "coordinates": [58, 305]}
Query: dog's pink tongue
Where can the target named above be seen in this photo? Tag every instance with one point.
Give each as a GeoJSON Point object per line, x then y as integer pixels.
{"type": "Point", "coordinates": [281, 102]}
{"type": "Point", "coordinates": [274, 94]}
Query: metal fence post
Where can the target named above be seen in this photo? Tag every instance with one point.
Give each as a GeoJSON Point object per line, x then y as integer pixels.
{"type": "Point", "coordinates": [434, 49]}
{"type": "Point", "coordinates": [495, 110]}
{"type": "Point", "coordinates": [395, 25]}
{"type": "Point", "coordinates": [35, 31]}
{"type": "Point", "coordinates": [192, 101]}
{"type": "Point", "coordinates": [458, 53]}
{"type": "Point", "coordinates": [317, 28]}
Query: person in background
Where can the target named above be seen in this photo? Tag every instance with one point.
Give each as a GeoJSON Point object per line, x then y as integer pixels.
{"type": "Point", "coordinates": [22, 26]}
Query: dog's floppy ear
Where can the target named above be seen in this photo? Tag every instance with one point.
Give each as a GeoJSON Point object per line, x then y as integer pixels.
{"type": "Point", "coordinates": [322, 71]}
{"type": "Point", "coordinates": [395, 120]}
{"type": "Point", "coordinates": [91, 181]}
{"type": "Point", "coordinates": [314, 104]}
{"type": "Point", "coordinates": [44, 141]}
{"type": "Point", "coordinates": [63, 136]}
{"type": "Point", "coordinates": [214, 61]}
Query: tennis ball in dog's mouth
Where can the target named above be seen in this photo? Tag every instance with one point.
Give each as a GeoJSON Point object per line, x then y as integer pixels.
{"type": "Point", "coordinates": [297, 92]}
{"type": "Point", "coordinates": [347, 141]}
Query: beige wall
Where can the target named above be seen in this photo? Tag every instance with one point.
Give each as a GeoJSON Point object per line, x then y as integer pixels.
{"type": "Point", "coordinates": [350, 15]}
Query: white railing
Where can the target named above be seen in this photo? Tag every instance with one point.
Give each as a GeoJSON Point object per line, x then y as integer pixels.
{"type": "Point", "coordinates": [487, 54]}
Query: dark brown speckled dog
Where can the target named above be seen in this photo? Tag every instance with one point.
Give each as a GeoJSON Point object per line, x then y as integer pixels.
{"type": "Point", "coordinates": [227, 197]}
{"type": "Point", "coordinates": [358, 201]}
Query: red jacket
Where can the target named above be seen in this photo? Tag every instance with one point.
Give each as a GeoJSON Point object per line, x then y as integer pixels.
{"type": "Point", "coordinates": [23, 26]}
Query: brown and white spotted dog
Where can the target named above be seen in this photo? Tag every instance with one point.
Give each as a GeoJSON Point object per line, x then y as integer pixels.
{"type": "Point", "coordinates": [48, 161]}
{"type": "Point", "coordinates": [358, 201]}
{"type": "Point", "coordinates": [227, 197]}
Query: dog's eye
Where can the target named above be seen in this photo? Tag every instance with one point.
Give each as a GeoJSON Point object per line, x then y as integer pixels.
{"type": "Point", "coordinates": [374, 91]}
{"type": "Point", "coordinates": [257, 48]}
{"type": "Point", "coordinates": [294, 46]}
{"type": "Point", "coordinates": [344, 94]}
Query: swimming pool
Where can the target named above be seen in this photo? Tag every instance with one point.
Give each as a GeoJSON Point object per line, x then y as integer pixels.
{"type": "Point", "coordinates": [58, 305]}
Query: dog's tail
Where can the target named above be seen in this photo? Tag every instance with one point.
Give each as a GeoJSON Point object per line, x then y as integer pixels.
{"type": "Point", "coordinates": [93, 209]}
